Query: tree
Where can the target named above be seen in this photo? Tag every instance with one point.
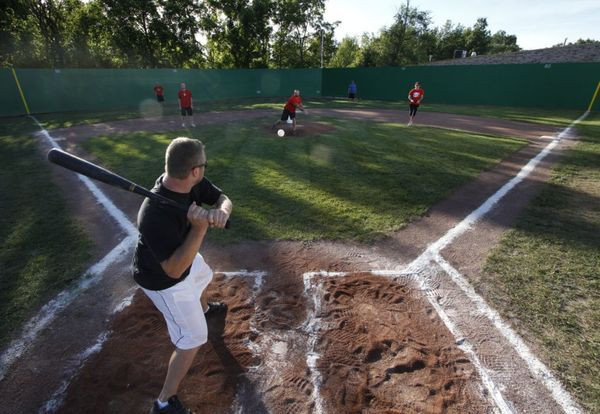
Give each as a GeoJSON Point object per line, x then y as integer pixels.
{"type": "Point", "coordinates": [348, 54]}
{"type": "Point", "coordinates": [326, 34]}
{"type": "Point", "coordinates": [50, 16]}
{"type": "Point", "coordinates": [401, 42]}
{"type": "Point", "coordinates": [578, 42]}
{"type": "Point", "coordinates": [449, 38]}
{"type": "Point", "coordinates": [372, 50]}
{"type": "Point", "coordinates": [178, 28]}
{"type": "Point", "coordinates": [17, 43]}
{"type": "Point", "coordinates": [298, 22]}
{"type": "Point", "coordinates": [478, 38]}
{"type": "Point", "coordinates": [154, 33]}
{"type": "Point", "coordinates": [407, 41]}
{"type": "Point", "coordinates": [134, 30]}
{"type": "Point", "coordinates": [238, 32]}
{"type": "Point", "coordinates": [502, 42]}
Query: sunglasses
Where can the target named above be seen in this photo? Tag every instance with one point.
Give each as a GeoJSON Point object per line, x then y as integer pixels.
{"type": "Point", "coordinates": [200, 165]}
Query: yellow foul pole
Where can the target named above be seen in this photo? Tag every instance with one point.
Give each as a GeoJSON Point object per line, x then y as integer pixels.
{"type": "Point", "coordinates": [21, 90]}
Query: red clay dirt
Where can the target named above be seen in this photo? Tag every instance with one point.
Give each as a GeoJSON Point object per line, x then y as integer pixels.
{"type": "Point", "coordinates": [349, 344]}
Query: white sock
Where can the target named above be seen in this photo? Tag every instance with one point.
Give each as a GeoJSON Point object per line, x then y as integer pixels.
{"type": "Point", "coordinates": [161, 404]}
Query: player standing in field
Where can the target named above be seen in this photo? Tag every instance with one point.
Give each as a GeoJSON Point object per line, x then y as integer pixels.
{"type": "Point", "coordinates": [415, 96]}
{"type": "Point", "coordinates": [352, 89]}
{"type": "Point", "coordinates": [289, 110]}
{"type": "Point", "coordinates": [167, 265]}
{"type": "Point", "coordinates": [159, 92]}
{"type": "Point", "coordinates": [186, 105]}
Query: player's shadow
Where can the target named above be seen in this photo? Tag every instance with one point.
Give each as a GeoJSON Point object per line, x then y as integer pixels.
{"type": "Point", "coordinates": [248, 399]}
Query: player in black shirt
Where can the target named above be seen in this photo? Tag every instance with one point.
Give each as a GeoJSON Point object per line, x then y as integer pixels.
{"type": "Point", "coordinates": [167, 264]}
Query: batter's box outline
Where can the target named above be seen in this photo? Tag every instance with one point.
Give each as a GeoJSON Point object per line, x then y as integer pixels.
{"type": "Point", "coordinates": [312, 325]}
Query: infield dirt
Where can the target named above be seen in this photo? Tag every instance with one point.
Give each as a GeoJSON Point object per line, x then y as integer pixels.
{"type": "Point", "coordinates": [289, 343]}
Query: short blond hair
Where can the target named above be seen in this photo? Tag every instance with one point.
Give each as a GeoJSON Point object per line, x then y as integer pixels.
{"type": "Point", "coordinates": [182, 155]}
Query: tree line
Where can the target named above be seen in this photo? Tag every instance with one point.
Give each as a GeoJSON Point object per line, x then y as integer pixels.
{"type": "Point", "coordinates": [221, 34]}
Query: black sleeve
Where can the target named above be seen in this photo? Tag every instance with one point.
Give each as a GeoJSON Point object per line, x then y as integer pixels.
{"type": "Point", "coordinates": [206, 192]}
{"type": "Point", "coordinates": [160, 233]}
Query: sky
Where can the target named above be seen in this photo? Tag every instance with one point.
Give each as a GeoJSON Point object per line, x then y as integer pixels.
{"type": "Point", "coordinates": [536, 23]}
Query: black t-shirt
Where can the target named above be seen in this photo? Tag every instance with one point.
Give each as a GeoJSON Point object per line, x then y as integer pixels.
{"type": "Point", "coordinates": [163, 229]}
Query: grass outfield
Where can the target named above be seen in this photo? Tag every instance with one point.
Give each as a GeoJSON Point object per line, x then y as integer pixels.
{"type": "Point", "coordinates": [545, 275]}
{"type": "Point", "coordinates": [557, 117]}
{"type": "Point", "coordinates": [358, 182]}
{"type": "Point", "coordinates": [35, 263]}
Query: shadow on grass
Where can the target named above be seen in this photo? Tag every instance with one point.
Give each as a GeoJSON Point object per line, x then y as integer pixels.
{"type": "Point", "coordinates": [358, 182]}
{"type": "Point", "coordinates": [41, 249]}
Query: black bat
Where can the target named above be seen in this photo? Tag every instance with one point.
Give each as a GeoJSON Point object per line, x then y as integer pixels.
{"type": "Point", "coordinates": [91, 170]}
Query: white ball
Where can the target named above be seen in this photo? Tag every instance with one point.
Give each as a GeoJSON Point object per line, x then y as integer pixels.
{"type": "Point", "coordinates": [281, 132]}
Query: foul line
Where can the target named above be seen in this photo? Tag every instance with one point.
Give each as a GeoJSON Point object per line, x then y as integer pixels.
{"type": "Point", "coordinates": [108, 205]}
{"type": "Point", "coordinates": [57, 399]}
{"type": "Point", "coordinates": [432, 253]}
{"type": "Point", "coordinates": [49, 311]}
{"type": "Point", "coordinates": [94, 274]}
{"type": "Point", "coordinates": [535, 365]}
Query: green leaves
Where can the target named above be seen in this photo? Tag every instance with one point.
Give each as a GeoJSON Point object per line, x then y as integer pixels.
{"type": "Point", "coordinates": [221, 34]}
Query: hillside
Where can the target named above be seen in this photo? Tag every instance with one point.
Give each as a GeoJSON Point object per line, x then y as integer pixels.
{"type": "Point", "coordinates": [562, 54]}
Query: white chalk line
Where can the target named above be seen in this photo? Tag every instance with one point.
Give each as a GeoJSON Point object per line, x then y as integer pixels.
{"type": "Point", "coordinates": [432, 253]}
{"type": "Point", "coordinates": [492, 389]}
{"type": "Point", "coordinates": [79, 360]}
{"type": "Point", "coordinates": [477, 214]}
{"type": "Point", "coordinates": [91, 277]}
{"type": "Point", "coordinates": [258, 278]}
{"type": "Point", "coordinates": [108, 205]}
{"type": "Point", "coordinates": [57, 399]}
{"type": "Point", "coordinates": [312, 326]}
{"type": "Point", "coordinates": [49, 311]}
{"type": "Point", "coordinates": [539, 370]}
{"type": "Point", "coordinates": [440, 244]}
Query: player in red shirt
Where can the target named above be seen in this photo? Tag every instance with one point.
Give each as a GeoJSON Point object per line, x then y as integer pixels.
{"type": "Point", "coordinates": [415, 96]}
{"type": "Point", "coordinates": [186, 105]}
{"type": "Point", "coordinates": [289, 110]}
{"type": "Point", "coordinates": [159, 91]}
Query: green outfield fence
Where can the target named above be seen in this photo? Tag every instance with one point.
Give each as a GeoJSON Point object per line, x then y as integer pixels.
{"type": "Point", "coordinates": [565, 85]}
{"type": "Point", "coordinates": [64, 90]}
{"type": "Point", "coordinates": [556, 85]}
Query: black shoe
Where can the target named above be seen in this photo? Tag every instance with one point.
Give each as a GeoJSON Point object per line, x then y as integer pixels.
{"type": "Point", "coordinates": [174, 407]}
{"type": "Point", "coordinates": [215, 308]}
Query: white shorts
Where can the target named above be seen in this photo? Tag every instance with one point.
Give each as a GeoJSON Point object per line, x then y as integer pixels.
{"type": "Point", "coordinates": [181, 308]}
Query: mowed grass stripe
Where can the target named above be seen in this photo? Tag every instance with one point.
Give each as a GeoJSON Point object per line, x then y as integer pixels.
{"type": "Point", "coordinates": [545, 275]}
{"type": "Point", "coordinates": [357, 182]}
{"type": "Point", "coordinates": [41, 248]}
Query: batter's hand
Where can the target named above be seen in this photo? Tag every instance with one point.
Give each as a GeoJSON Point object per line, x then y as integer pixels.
{"type": "Point", "coordinates": [198, 216]}
{"type": "Point", "coordinates": [217, 218]}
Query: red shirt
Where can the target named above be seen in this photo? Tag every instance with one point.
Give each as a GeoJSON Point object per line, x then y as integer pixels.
{"type": "Point", "coordinates": [158, 90]}
{"type": "Point", "coordinates": [415, 96]}
{"type": "Point", "coordinates": [185, 98]}
{"type": "Point", "coordinates": [292, 102]}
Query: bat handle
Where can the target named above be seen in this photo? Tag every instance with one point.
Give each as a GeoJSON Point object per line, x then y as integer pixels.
{"type": "Point", "coordinates": [182, 207]}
